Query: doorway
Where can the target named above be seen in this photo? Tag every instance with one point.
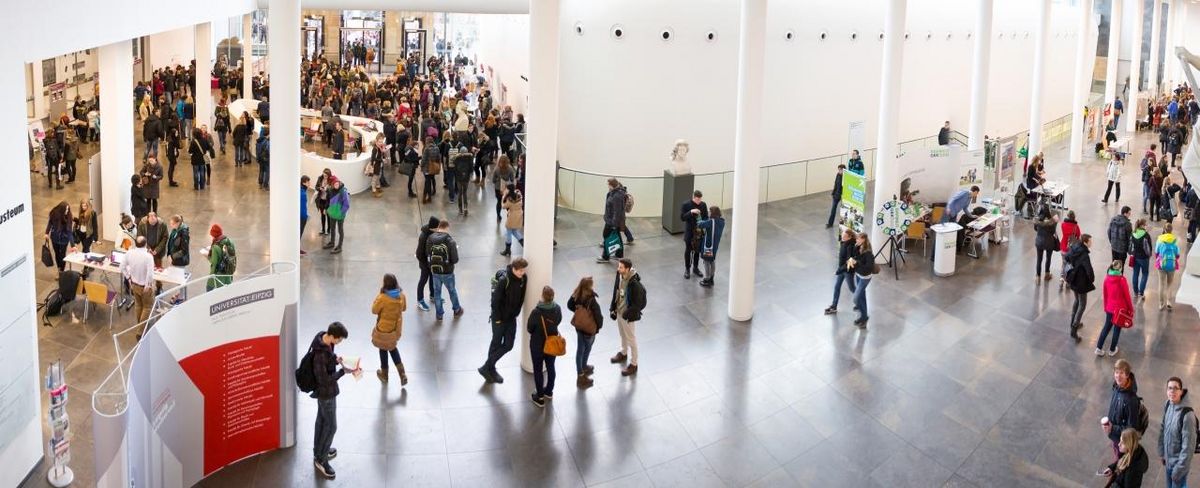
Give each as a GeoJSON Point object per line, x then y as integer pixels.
{"type": "Point", "coordinates": [362, 39]}
{"type": "Point", "coordinates": [314, 36]}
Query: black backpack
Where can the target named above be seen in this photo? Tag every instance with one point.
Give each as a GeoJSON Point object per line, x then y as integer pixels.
{"type": "Point", "coordinates": [306, 378]}
{"type": "Point", "coordinates": [439, 257]}
{"type": "Point", "coordinates": [1183, 414]}
{"type": "Point", "coordinates": [1143, 418]}
{"type": "Point", "coordinates": [501, 276]}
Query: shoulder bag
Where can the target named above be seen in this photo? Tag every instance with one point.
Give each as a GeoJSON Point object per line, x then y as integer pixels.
{"type": "Point", "coordinates": [583, 320]}
{"type": "Point", "coordinates": [555, 345]}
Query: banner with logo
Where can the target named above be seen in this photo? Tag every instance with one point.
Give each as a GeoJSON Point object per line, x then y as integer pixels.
{"type": "Point", "coordinates": [854, 201]}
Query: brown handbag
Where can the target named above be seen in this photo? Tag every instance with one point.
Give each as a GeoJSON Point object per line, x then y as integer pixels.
{"type": "Point", "coordinates": [555, 345]}
{"type": "Point", "coordinates": [583, 320]}
{"type": "Point", "coordinates": [435, 168]}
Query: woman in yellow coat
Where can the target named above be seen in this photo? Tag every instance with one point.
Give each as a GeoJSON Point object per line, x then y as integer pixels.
{"type": "Point", "coordinates": [389, 307]}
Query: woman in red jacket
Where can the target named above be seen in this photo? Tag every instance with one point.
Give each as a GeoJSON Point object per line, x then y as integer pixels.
{"type": "Point", "coordinates": [1118, 307]}
{"type": "Point", "coordinates": [1070, 234]}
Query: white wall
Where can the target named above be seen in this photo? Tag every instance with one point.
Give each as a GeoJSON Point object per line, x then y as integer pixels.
{"type": "Point", "coordinates": [504, 47]}
{"type": "Point", "coordinates": [172, 48]}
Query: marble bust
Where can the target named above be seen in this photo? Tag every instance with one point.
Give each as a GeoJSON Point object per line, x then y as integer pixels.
{"type": "Point", "coordinates": [679, 162]}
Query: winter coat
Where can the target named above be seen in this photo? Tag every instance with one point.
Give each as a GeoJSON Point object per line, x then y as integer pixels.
{"type": "Point", "coordinates": [152, 128]}
{"type": "Point", "coordinates": [1123, 408]}
{"type": "Point", "coordinates": [1140, 245]}
{"type": "Point", "coordinates": [1120, 231]}
{"type": "Point", "coordinates": [516, 213]}
{"type": "Point", "coordinates": [156, 236]}
{"type": "Point", "coordinates": [635, 298]}
{"type": "Point", "coordinates": [422, 259]}
{"type": "Point", "coordinates": [139, 206]}
{"type": "Point", "coordinates": [1047, 239]}
{"type": "Point", "coordinates": [325, 369]}
{"type": "Point", "coordinates": [864, 262]}
{"type": "Point", "coordinates": [1132, 476]}
{"type": "Point", "coordinates": [614, 208]}
{"type": "Point", "coordinates": [216, 254]}
{"type": "Point", "coordinates": [543, 321]}
{"type": "Point", "coordinates": [713, 229]}
{"type": "Point", "coordinates": [178, 242]}
{"type": "Point", "coordinates": [389, 309]}
{"type": "Point", "coordinates": [689, 219]}
{"type": "Point", "coordinates": [1167, 246]}
{"type": "Point", "coordinates": [1116, 294]}
{"type": "Point", "coordinates": [437, 238]}
{"type": "Point", "coordinates": [153, 174]}
{"type": "Point", "coordinates": [1177, 437]}
{"type": "Point", "coordinates": [1070, 231]}
{"type": "Point", "coordinates": [846, 250]}
{"type": "Point", "coordinates": [507, 296]}
{"type": "Point", "coordinates": [590, 305]}
{"type": "Point", "coordinates": [1081, 278]}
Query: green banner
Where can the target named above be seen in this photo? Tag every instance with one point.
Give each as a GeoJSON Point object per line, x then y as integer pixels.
{"type": "Point", "coordinates": [854, 201]}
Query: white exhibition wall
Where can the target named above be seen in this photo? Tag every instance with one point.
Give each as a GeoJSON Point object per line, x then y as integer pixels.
{"type": "Point", "coordinates": [504, 51]}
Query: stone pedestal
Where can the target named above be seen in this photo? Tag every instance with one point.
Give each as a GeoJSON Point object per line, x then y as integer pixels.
{"type": "Point", "coordinates": [676, 190]}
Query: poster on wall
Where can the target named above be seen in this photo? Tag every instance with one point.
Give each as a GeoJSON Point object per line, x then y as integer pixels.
{"type": "Point", "coordinates": [925, 174]}
{"type": "Point", "coordinates": [210, 384]}
{"type": "Point", "coordinates": [854, 201]}
{"type": "Point", "coordinates": [856, 137]}
{"type": "Point", "coordinates": [971, 170]}
{"type": "Point", "coordinates": [37, 133]}
{"type": "Point", "coordinates": [1008, 159]}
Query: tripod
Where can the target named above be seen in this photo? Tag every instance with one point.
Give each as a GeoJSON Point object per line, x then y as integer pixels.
{"type": "Point", "coordinates": [892, 246]}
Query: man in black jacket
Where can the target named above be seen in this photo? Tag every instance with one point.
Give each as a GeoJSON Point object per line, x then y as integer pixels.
{"type": "Point", "coordinates": [690, 212]}
{"type": "Point", "coordinates": [423, 262]}
{"type": "Point", "coordinates": [152, 131]}
{"type": "Point", "coordinates": [614, 219]}
{"type": "Point", "coordinates": [836, 194]}
{"type": "Point", "coordinates": [1081, 278]}
{"type": "Point", "coordinates": [325, 370]}
{"type": "Point", "coordinates": [508, 295]}
{"type": "Point", "coordinates": [628, 301]}
{"type": "Point", "coordinates": [1123, 406]}
{"type": "Point", "coordinates": [442, 253]}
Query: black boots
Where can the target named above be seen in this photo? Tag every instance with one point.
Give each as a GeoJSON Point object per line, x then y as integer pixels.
{"type": "Point", "coordinates": [507, 250]}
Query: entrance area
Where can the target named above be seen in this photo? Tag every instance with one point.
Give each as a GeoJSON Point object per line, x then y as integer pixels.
{"type": "Point", "coordinates": [362, 38]}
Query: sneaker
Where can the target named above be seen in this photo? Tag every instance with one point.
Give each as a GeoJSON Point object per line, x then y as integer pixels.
{"type": "Point", "coordinates": [324, 468]}
{"type": "Point", "coordinates": [336, 250]}
{"type": "Point", "coordinates": [861, 323]}
{"type": "Point", "coordinates": [1114, 351]}
{"type": "Point", "coordinates": [423, 306]}
{"type": "Point", "coordinates": [382, 375]}
{"type": "Point", "coordinates": [537, 400]}
{"type": "Point", "coordinates": [1099, 352]}
{"type": "Point", "coordinates": [439, 318]}
{"type": "Point", "coordinates": [331, 454]}
{"type": "Point", "coordinates": [487, 375]}
{"type": "Point", "coordinates": [830, 310]}
{"type": "Point", "coordinates": [629, 242]}
{"type": "Point", "coordinates": [619, 358]}
{"type": "Point", "coordinates": [547, 397]}
{"type": "Point", "coordinates": [459, 312]}
{"type": "Point", "coordinates": [496, 376]}
{"type": "Point", "coordinates": [602, 260]}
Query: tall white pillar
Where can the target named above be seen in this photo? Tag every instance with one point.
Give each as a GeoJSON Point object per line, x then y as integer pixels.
{"type": "Point", "coordinates": [1135, 68]}
{"type": "Point", "coordinates": [1111, 83]}
{"type": "Point", "coordinates": [1152, 83]}
{"type": "Point", "coordinates": [203, 53]}
{"type": "Point", "coordinates": [540, 164]}
{"type": "Point", "coordinates": [747, 157]}
{"type": "Point", "coordinates": [887, 183]}
{"type": "Point", "coordinates": [980, 64]}
{"type": "Point", "coordinates": [1169, 59]}
{"type": "Point", "coordinates": [1179, 34]}
{"type": "Point", "coordinates": [285, 130]}
{"type": "Point", "coordinates": [1039, 77]}
{"type": "Point", "coordinates": [39, 97]}
{"type": "Point", "coordinates": [247, 56]}
{"type": "Point", "coordinates": [116, 139]}
{"type": "Point", "coordinates": [1085, 62]}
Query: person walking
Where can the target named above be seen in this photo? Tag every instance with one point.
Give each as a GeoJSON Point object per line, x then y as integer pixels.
{"type": "Point", "coordinates": [1045, 243]}
{"type": "Point", "coordinates": [503, 176]}
{"type": "Point", "coordinates": [1123, 405]}
{"type": "Point", "coordinates": [1118, 307]}
{"type": "Point", "coordinates": [60, 231]}
{"type": "Point", "coordinates": [1156, 194]}
{"type": "Point", "coordinates": [690, 212]}
{"type": "Point", "coordinates": [543, 323]}
{"type": "Point", "coordinates": [222, 258]}
{"type": "Point", "coordinates": [389, 307]}
{"type": "Point", "coordinates": [1166, 260]}
{"type": "Point", "coordinates": [326, 372]}
{"type": "Point", "coordinates": [431, 166]}
{"type": "Point", "coordinates": [1131, 464]}
{"type": "Point", "coordinates": [70, 152]}
{"type": "Point", "coordinates": [178, 242]}
{"type": "Point", "coordinates": [339, 207]}
{"type": "Point", "coordinates": [862, 263]}
{"type": "Point", "coordinates": [1070, 235]}
{"type": "Point", "coordinates": [198, 148]}
{"type": "Point", "coordinates": [138, 269]}
{"type": "Point", "coordinates": [836, 194]}
{"type": "Point", "coordinates": [173, 149]}
{"type": "Point", "coordinates": [1113, 172]}
{"type": "Point", "coordinates": [442, 254]}
{"type": "Point", "coordinates": [614, 219]}
{"type": "Point", "coordinates": [843, 273]}
{"type": "Point", "coordinates": [1142, 250]}
{"type": "Point", "coordinates": [423, 262]}
{"type": "Point", "coordinates": [587, 320]}
{"type": "Point", "coordinates": [1120, 234]}
{"type": "Point", "coordinates": [712, 227]}
{"type": "Point", "coordinates": [514, 205]}
{"type": "Point", "coordinates": [221, 124]}
{"type": "Point", "coordinates": [1177, 435]}
{"type": "Point", "coordinates": [1081, 278]}
{"type": "Point", "coordinates": [464, 165]}
{"type": "Point", "coordinates": [628, 301]}
{"type": "Point", "coordinates": [412, 159]}
{"type": "Point", "coordinates": [508, 295]}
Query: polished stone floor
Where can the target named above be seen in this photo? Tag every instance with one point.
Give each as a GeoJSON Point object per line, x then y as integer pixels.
{"type": "Point", "coordinates": [963, 381]}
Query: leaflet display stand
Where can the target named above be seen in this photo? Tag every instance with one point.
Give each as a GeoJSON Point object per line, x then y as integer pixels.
{"type": "Point", "coordinates": [60, 474]}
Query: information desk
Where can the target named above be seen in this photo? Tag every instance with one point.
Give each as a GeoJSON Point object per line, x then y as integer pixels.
{"type": "Point", "coordinates": [168, 276]}
{"type": "Point", "coordinates": [1055, 193]}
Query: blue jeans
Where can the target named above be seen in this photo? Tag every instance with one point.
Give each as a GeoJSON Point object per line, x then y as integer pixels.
{"type": "Point", "coordinates": [151, 149]}
{"type": "Point", "coordinates": [1141, 273]}
{"type": "Point", "coordinates": [1182, 483]}
{"type": "Point", "coordinates": [198, 176]}
{"type": "Point", "coordinates": [833, 210]}
{"type": "Point", "coordinates": [508, 236]}
{"type": "Point", "coordinates": [325, 428]}
{"type": "Point", "coordinates": [846, 276]}
{"type": "Point", "coordinates": [448, 281]}
{"type": "Point", "coordinates": [860, 296]}
{"type": "Point", "coordinates": [583, 350]}
{"type": "Point", "coordinates": [1116, 332]}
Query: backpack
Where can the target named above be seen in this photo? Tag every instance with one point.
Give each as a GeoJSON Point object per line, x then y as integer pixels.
{"type": "Point", "coordinates": [500, 276]}
{"type": "Point", "coordinates": [1166, 262]}
{"type": "Point", "coordinates": [1182, 415]}
{"type": "Point", "coordinates": [439, 257]}
{"type": "Point", "coordinates": [306, 378]}
{"type": "Point", "coordinates": [1142, 422]}
{"type": "Point", "coordinates": [628, 202]}
{"type": "Point", "coordinates": [52, 306]}
{"type": "Point", "coordinates": [228, 262]}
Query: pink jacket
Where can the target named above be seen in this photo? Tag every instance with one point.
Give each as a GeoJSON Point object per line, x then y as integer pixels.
{"type": "Point", "coordinates": [1116, 294]}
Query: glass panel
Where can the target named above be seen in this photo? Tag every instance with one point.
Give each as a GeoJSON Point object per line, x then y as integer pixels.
{"type": "Point", "coordinates": [787, 181]}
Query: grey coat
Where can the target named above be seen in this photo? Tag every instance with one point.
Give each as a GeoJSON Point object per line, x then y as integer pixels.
{"type": "Point", "coordinates": [1176, 440]}
{"type": "Point", "coordinates": [1120, 233]}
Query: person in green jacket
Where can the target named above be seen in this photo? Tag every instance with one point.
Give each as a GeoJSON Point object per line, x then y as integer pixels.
{"type": "Point", "coordinates": [222, 259]}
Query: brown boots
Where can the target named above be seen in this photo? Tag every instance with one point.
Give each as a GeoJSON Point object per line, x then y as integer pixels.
{"type": "Point", "coordinates": [383, 376]}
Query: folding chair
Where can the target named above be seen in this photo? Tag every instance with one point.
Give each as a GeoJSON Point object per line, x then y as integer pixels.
{"type": "Point", "coordinates": [99, 294]}
{"type": "Point", "coordinates": [916, 231]}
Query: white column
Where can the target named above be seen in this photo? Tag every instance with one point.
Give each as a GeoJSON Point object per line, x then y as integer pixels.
{"type": "Point", "coordinates": [980, 64]}
{"type": "Point", "coordinates": [1135, 68]}
{"type": "Point", "coordinates": [1039, 78]}
{"type": "Point", "coordinates": [285, 130]}
{"type": "Point", "coordinates": [116, 139]}
{"type": "Point", "coordinates": [203, 53]}
{"type": "Point", "coordinates": [247, 56]}
{"type": "Point", "coordinates": [1179, 35]}
{"type": "Point", "coordinates": [1169, 59]}
{"type": "Point", "coordinates": [1152, 83]}
{"type": "Point", "coordinates": [1085, 62]}
{"type": "Point", "coordinates": [887, 183]}
{"type": "Point", "coordinates": [540, 163]}
{"type": "Point", "coordinates": [1111, 83]}
{"type": "Point", "coordinates": [747, 158]}
{"type": "Point", "coordinates": [39, 98]}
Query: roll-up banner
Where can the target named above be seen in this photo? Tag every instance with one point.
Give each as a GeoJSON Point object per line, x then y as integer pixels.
{"type": "Point", "coordinates": [210, 384]}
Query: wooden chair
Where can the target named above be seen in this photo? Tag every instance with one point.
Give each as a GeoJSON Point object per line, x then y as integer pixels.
{"type": "Point", "coordinates": [99, 294]}
{"type": "Point", "coordinates": [917, 231]}
{"type": "Point", "coordinates": [937, 213]}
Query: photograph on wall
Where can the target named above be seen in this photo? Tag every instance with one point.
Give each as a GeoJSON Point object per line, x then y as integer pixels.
{"type": "Point", "coordinates": [854, 201]}
{"type": "Point", "coordinates": [971, 169]}
{"type": "Point", "coordinates": [1008, 159]}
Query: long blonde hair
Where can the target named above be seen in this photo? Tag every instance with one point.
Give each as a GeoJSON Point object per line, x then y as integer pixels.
{"type": "Point", "coordinates": [1130, 439]}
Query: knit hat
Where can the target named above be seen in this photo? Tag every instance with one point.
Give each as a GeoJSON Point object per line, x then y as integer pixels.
{"type": "Point", "coordinates": [215, 231]}
{"type": "Point", "coordinates": [433, 222]}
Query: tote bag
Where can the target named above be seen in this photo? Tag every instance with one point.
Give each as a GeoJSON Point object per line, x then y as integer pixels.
{"type": "Point", "coordinates": [556, 345]}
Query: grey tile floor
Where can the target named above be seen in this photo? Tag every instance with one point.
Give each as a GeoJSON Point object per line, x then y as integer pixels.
{"type": "Point", "coordinates": [963, 381]}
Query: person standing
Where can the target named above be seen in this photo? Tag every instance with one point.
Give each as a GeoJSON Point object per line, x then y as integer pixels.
{"type": "Point", "coordinates": [139, 205]}
{"type": "Point", "coordinates": [198, 148]}
{"type": "Point", "coordinates": [712, 227]}
{"type": "Point", "coordinates": [413, 159]}
{"type": "Point", "coordinates": [60, 231]}
{"type": "Point", "coordinates": [431, 166]}
{"type": "Point", "coordinates": [1166, 254]}
{"type": "Point", "coordinates": [543, 322]}
{"type": "Point", "coordinates": [423, 262]}
{"type": "Point", "coordinates": [514, 206]}
{"type": "Point", "coordinates": [153, 173]}
{"type": "Point", "coordinates": [339, 207]}
{"type": "Point", "coordinates": [152, 131]}
{"type": "Point", "coordinates": [178, 242]}
{"type": "Point", "coordinates": [389, 307]}
{"type": "Point", "coordinates": [862, 263]}
{"type": "Point", "coordinates": [614, 218]}
{"type": "Point", "coordinates": [262, 152]}
{"type": "Point", "coordinates": [464, 165]}
{"type": "Point", "coordinates": [374, 167]}
{"type": "Point", "coordinates": [1117, 304]}
{"type": "Point", "coordinates": [241, 142]}
{"type": "Point", "coordinates": [326, 372]}
{"type": "Point", "coordinates": [1120, 234]}
{"type": "Point", "coordinates": [70, 155]}
{"type": "Point", "coordinates": [222, 258]}
{"type": "Point", "coordinates": [1045, 243]}
{"type": "Point", "coordinates": [690, 212]}
{"type": "Point", "coordinates": [155, 231]}
{"type": "Point", "coordinates": [587, 319]}
{"type": "Point", "coordinates": [222, 123]}
{"type": "Point", "coordinates": [86, 226]}
{"type": "Point", "coordinates": [836, 194]}
{"type": "Point", "coordinates": [442, 254]}
{"type": "Point", "coordinates": [304, 179]}
{"type": "Point", "coordinates": [503, 176]}
{"type": "Point", "coordinates": [1142, 250]}
{"type": "Point", "coordinates": [324, 182]}
{"type": "Point", "coordinates": [1113, 172]}
{"type": "Point", "coordinates": [173, 149]}
{"type": "Point", "coordinates": [138, 269]}
{"type": "Point", "coordinates": [1123, 404]}
{"type": "Point", "coordinates": [1131, 464]}
{"type": "Point", "coordinates": [1081, 278]}
{"type": "Point", "coordinates": [508, 295]}
{"type": "Point", "coordinates": [628, 301]}
{"type": "Point", "coordinates": [943, 136]}
{"type": "Point", "coordinates": [1177, 435]}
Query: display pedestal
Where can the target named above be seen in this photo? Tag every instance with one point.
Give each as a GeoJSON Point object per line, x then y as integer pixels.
{"type": "Point", "coordinates": [944, 244]}
{"type": "Point", "coordinates": [676, 190]}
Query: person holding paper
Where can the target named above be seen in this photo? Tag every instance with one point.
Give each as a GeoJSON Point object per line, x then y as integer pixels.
{"type": "Point", "coordinates": [325, 370]}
